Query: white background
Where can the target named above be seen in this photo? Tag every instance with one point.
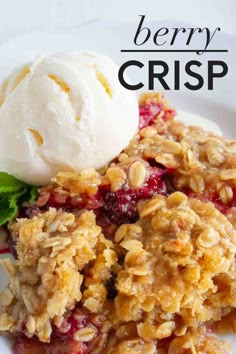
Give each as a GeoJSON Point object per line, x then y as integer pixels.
{"type": "Point", "coordinates": [21, 16]}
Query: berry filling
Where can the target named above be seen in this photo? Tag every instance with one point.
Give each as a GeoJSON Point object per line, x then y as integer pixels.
{"type": "Point", "coordinates": [150, 111]}
{"type": "Point", "coordinates": [111, 208]}
{"type": "Point", "coordinates": [216, 200]}
{"type": "Point", "coordinates": [62, 339]}
{"type": "Point", "coordinates": [121, 207]}
{"type": "Point", "coordinates": [57, 346]}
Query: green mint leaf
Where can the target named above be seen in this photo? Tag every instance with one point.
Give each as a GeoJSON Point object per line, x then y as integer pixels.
{"type": "Point", "coordinates": [9, 184]}
{"type": "Point", "coordinates": [6, 212]}
{"type": "Point", "coordinates": [14, 198]}
{"type": "Point", "coordinates": [13, 194]}
{"type": "Point", "coordinates": [6, 215]}
{"type": "Point", "coordinates": [31, 195]}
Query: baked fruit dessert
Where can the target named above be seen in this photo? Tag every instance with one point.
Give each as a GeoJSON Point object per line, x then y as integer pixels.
{"type": "Point", "coordinates": [136, 257]}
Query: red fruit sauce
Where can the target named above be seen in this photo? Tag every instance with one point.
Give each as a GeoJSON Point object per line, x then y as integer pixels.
{"type": "Point", "coordinates": [25, 345]}
{"type": "Point", "coordinates": [62, 341]}
{"type": "Point", "coordinates": [5, 250]}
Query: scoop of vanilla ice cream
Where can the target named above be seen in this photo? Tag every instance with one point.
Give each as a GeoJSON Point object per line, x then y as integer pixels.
{"type": "Point", "coordinates": [64, 112]}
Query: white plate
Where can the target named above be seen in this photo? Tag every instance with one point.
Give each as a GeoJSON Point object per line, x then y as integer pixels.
{"type": "Point", "coordinates": [218, 105]}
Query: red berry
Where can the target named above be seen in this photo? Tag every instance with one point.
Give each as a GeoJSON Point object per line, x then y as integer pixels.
{"type": "Point", "coordinates": [121, 207]}
{"type": "Point", "coordinates": [148, 113]}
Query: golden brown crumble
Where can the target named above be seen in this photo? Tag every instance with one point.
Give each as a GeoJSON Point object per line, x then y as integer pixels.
{"type": "Point", "coordinates": [86, 182]}
{"type": "Point", "coordinates": [193, 342]}
{"type": "Point", "coordinates": [178, 256]}
{"type": "Point", "coordinates": [203, 161]}
{"type": "Point", "coordinates": [46, 279]}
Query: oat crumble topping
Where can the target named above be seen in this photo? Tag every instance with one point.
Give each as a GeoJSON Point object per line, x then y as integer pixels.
{"type": "Point", "coordinates": [53, 249]}
{"type": "Point", "coordinates": [177, 254]}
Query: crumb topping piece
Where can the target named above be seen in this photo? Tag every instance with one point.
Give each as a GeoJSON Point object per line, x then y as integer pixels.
{"type": "Point", "coordinates": [45, 281]}
{"type": "Point", "coordinates": [202, 162]}
{"type": "Point", "coordinates": [178, 266]}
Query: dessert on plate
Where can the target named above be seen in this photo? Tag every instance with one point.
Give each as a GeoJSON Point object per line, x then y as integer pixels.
{"type": "Point", "coordinates": [128, 243]}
